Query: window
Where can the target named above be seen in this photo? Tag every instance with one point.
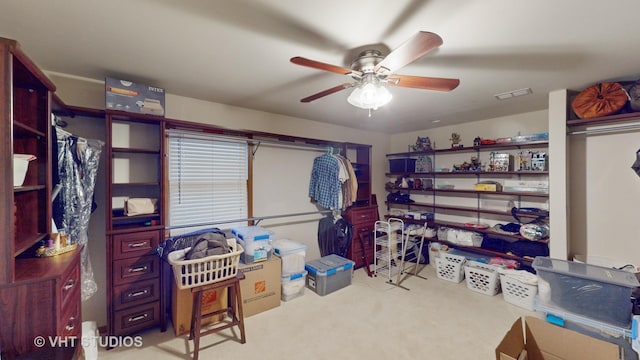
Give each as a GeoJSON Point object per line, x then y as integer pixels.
{"type": "Point", "coordinates": [207, 181]}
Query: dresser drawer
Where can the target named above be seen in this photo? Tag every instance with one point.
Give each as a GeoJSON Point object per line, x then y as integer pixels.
{"type": "Point", "coordinates": [136, 293]}
{"type": "Point", "coordinates": [135, 244]}
{"type": "Point", "coordinates": [69, 287]}
{"type": "Point", "coordinates": [136, 269]}
{"type": "Point", "coordinates": [136, 318]}
{"type": "Point", "coordinates": [362, 215]}
{"type": "Point", "coordinates": [70, 323]}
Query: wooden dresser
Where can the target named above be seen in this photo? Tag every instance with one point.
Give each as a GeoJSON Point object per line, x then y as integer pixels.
{"type": "Point", "coordinates": [363, 219]}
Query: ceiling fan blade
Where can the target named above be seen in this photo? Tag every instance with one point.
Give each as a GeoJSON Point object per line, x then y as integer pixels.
{"type": "Point", "coordinates": [323, 93]}
{"type": "Point", "coordinates": [426, 83]}
{"type": "Point", "coordinates": [324, 66]}
{"type": "Point", "coordinates": [411, 50]}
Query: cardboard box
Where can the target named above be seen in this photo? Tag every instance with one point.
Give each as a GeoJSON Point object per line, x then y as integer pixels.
{"type": "Point", "coordinates": [488, 186]}
{"type": "Point", "coordinates": [132, 97]}
{"type": "Point", "coordinates": [544, 341]}
{"type": "Point", "coordinates": [182, 303]}
{"type": "Point", "coordinates": [261, 288]}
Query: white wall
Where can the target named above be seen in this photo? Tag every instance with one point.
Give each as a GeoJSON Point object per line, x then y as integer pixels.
{"type": "Point", "coordinates": [281, 176]}
{"type": "Point", "coordinates": [527, 123]}
{"type": "Point", "coordinates": [605, 197]}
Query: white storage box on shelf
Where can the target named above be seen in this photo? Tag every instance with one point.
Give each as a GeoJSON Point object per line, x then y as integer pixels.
{"type": "Point", "coordinates": [292, 254]}
{"type": "Point", "coordinates": [482, 278]}
{"type": "Point", "coordinates": [256, 242]}
{"type": "Point", "coordinates": [595, 292]}
{"type": "Point", "coordinates": [450, 267]}
{"type": "Point", "coordinates": [207, 270]}
{"type": "Point", "coordinates": [20, 167]}
{"type": "Point", "coordinates": [519, 288]}
{"type": "Point", "coordinates": [293, 285]}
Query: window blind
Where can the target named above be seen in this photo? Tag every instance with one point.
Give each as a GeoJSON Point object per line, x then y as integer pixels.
{"type": "Point", "coordinates": [207, 180]}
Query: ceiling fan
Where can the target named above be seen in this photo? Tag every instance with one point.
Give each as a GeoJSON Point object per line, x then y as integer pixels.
{"type": "Point", "coordinates": [371, 71]}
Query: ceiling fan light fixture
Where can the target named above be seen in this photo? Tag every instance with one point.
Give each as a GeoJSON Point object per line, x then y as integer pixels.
{"type": "Point", "coordinates": [369, 95]}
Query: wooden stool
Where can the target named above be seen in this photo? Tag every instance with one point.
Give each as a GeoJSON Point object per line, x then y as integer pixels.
{"type": "Point", "coordinates": [233, 310]}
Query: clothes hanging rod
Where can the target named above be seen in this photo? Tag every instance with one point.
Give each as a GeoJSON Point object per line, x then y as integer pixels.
{"type": "Point", "coordinates": [257, 142]}
{"type": "Point", "coordinates": [256, 219]}
{"type": "Point", "coordinates": [605, 130]}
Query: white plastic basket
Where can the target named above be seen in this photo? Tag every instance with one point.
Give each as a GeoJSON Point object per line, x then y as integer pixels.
{"type": "Point", "coordinates": [450, 267]}
{"type": "Point", "coordinates": [210, 269]}
{"type": "Point", "coordinates": [518, 293]}
{"type": "Point", "coordinates": [482, 278]}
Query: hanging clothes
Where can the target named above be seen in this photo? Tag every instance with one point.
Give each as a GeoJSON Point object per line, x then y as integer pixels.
{"type": "Point", "coordinates": [334, 236]}
{"type": "Point", "coordinates": [325, 186]}
{"type": "Point", "coordinates": [350, 184]}
{"type": "Point", "coordinates": [77, 166]}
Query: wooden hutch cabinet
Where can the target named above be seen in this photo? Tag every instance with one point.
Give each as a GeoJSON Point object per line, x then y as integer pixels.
{"type": "Point", "coordinates": [38, 296]}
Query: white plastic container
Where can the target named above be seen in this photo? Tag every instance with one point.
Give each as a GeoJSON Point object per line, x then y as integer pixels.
{"type": "Point", "coordinates": [292, 254]}
{"type": "Point", "coordinates": [20, 167]}
{"type": "Point", "coordinates": [450, 267]}
{"type": "Point", "coordinates": [482, 278]}
{"type": "Point", "coordinates": [293, 285]}
{"type": "Point", "coordinates": [90, 340]}
{"type": "Point", "coordinates": [256, 242]}
{"type": "Point", "coordinates": [517, 292]}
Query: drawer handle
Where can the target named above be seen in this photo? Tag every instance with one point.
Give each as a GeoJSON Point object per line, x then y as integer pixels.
{"type": "Point", "coordinates": [138, 293]}
{"type": "Point", "coordinates": [137, 245]}
{"type": "Point", "coordinates": [70, 284]}
{"type": "Point", "coordinates": [138, 269]}
{"type": "Point", "coordinates": [71, 324]}
{"type": "Point", "coordinates": [138, 318]}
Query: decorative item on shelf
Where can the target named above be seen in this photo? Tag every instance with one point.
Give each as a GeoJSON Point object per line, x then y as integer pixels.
{"type": "Point", "coordinates": [487, 142]}
{"type": "Point", "coordinates": [600, 99]}
{"type": "Point", "coordinates": [422, 144]}
{"type": "Point", "coordinates": [473, 165]}
{"type": "Point", "coordinates": [424, 164]}
{"type": "Point", "coordinates": [57, 245]}
{"type": "Point", "coordinates": [539, 161]}
{"type": "Point", "coordinates": [455, 140]}
{"type": "Point", "coordinates": [477, 141]}
{"type": "Point", "coordinates": [531, 137]}
{"type": "Point", "coordinates": [500, 161]}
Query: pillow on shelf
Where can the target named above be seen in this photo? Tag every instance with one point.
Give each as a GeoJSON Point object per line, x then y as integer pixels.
{"type": "Point", "coordinates": [601, 99]}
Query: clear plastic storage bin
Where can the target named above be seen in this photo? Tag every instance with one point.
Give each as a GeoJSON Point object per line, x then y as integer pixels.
{"type": "Point", "coordinates": [599, 293]}
{"type": "Point", "coordinates": [292, 254]}
{"type": "Point", "coordinates": [256, 242]}
{"type": "Point", "coordinates": [293, 285]}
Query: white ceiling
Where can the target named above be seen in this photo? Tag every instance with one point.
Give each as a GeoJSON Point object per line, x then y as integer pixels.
{"type": "Point", "coordinates": [237, 52]}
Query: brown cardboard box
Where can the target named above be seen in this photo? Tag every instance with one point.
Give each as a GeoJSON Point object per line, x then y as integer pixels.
{"type": "Point", "coordinates": [182, 303]}
{"type": "Point", "coordinates": [544, 341]}
{"type": "Point", "coordinates": [260, 288]}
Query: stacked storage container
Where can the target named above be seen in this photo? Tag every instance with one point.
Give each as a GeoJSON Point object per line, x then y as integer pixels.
{"type": "Point", "coordinates": [587, 298]}
{"type": "Point", "coordinates": [294, 275]}
{"type": "Point", "coordinates": [256, 242]}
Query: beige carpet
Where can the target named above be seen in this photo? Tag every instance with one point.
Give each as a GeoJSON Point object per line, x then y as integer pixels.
{"type": "Point", "coordinates": [369, 319]}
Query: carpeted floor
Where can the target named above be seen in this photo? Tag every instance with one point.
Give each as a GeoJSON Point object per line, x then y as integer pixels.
{"type": "Point", "coordinates": [370, 319]}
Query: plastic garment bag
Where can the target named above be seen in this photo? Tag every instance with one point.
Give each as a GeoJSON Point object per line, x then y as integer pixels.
{"type": "Point", "coordinates": [77, 168]}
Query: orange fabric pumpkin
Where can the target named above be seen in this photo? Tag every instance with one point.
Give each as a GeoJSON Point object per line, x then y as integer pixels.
{"type": "Point", "coordinates": [600, 99]}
